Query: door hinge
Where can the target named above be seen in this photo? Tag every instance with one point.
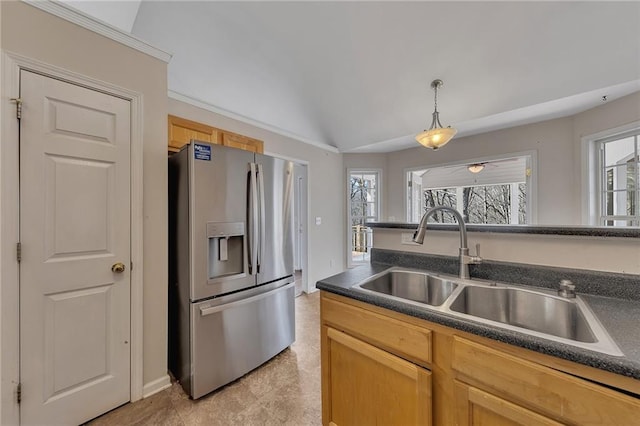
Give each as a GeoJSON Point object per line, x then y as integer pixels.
{"type": "Point", "coordinates": [19, 252]}
{"type": "Point", "coordinates": [18, 102]}
{"type": "Point", "coordinates": [131, 269]}
{"type": "Point", "coordinates": [19, 393]}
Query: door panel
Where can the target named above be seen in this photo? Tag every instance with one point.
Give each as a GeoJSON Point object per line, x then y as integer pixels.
{"type": "Point", "coordinates": [73, 120]}
{"type": "Point", "coordinates": [475, 407]}
{"type": "Point", "coordinates": [74, 225]}
{"type": "Point", "coordinates": [71, 361]}
{"type": "Point", "coordinates": [277, 254]}
{"type": "Point", "coordinates": [368, 386]}
{"type": "Point", "coordinates": [181, 131]}
{"type": "Point", "coordinates": [234, 334]}
{"type": "Point", "coordinates": [78, 225]}
{"type": "Point", "coordinates": [218, 194]}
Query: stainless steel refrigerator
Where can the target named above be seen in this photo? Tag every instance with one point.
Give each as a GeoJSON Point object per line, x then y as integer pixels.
{"type": "Point", "coordinates": [231, 290]}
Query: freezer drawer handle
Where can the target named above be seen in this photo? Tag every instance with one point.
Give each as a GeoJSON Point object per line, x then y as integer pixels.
{"type": "Point", "coordinates": [213, 309]}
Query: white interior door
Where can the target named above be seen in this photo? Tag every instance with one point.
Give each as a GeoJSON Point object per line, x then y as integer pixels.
{"type": "Point", "coordinates": [298, 224]}
{"type": "Point", "coordinates": [74, 227]}
{"type": "Point", "coordinates": [300, 173]}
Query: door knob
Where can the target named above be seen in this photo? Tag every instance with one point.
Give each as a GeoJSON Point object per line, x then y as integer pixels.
{"type": "Point", "coordinates": [118, 267]}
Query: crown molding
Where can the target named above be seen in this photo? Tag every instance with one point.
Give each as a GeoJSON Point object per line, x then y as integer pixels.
{"type": "Point", "coordinates": [77, 17]}
{"type": "Point", "coordinates": [230, 114]}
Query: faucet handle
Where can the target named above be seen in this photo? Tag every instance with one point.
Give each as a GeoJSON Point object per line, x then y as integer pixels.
{"type": "Point", "coordinates": [567, 289]}
{"type": "Point", "coordinates": [476, 258]}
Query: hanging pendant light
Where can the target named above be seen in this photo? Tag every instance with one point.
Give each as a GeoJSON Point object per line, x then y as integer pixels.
{"type": "Point", "coordinates": [437, 135]}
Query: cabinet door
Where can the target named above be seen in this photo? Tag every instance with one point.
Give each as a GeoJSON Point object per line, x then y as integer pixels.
{"type": "Point", "coordinates": [570, 398]}
{"type": "Point", "coordinates": [366, 385]}
{"type": "Point", "coordinates": [235, 140]}
{"type": "Point", "coordinates": [475, 407]}
{"type": "Point", "coordinates": [181, 131]}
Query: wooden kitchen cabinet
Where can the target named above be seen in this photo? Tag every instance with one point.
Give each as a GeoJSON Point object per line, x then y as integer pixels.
{"type": "Point", "coordinates": [526, 385]}
{"type": "Point", "coordinates": [459, 377]}
{"type": "Point", "coordinates": [371, 386]}
{"type": "Point", "coordinates": [181, 131]}
{"type": "Point", "coordinates": [475, 407]}
{"type": "Point", "coordinates": [235, 140]}
{"type": "Point", "coordinates": [370, 380]}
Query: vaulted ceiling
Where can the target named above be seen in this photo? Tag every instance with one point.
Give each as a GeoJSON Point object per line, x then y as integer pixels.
{"type": "Point", "coordinates": [356, 75]}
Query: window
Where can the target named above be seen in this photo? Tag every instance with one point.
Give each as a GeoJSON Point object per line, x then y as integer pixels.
{"type": "Point", "coordinates": [363, 193]}
{"type": "Point", "coordinates": [499, 194]}
{"type": "Point", "coordinates": [618, 175]}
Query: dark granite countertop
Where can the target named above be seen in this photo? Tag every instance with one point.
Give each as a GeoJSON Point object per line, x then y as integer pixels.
{"type": "Point", "coordinates": [618, 316]}
{"type": "Point", "coordinates": [585, 231]}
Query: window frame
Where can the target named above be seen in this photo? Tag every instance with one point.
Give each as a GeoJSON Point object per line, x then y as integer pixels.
{"type": "Point", "coordinates": [592, 179]}
{"type": "Point", "coordinates": [531, 178]}
{"type": "Point", "coordinates": [378, 206]}
{"type": "Point", "coordinates": [602, 170]}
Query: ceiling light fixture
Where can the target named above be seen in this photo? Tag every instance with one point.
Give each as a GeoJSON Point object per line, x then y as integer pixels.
{"type": "Point", "coordinates": [437, 135]}
{"type": "Point", "coordinates": [476, 168]}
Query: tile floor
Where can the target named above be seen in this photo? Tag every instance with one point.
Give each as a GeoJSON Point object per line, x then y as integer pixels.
{"type": "Point", "coordinates": [284, 391]}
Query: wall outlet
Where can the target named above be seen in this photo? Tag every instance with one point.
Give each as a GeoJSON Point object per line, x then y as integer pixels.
{"type": "Point", "coordinates": [318, 220]}
{"type": "Point", "coordinates": [407, 238]}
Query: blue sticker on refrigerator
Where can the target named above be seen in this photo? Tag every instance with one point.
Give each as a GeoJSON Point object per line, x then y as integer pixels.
{"type": "Point", "coordinates": [202, 152]}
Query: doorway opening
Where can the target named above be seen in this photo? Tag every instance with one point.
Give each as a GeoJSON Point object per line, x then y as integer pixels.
{"type": "Point", "coordinates": [363, 205]}
{"type": "Point", "coordinates": [27, 79]}
{"type": "Point", "coordinates": [300, 200]}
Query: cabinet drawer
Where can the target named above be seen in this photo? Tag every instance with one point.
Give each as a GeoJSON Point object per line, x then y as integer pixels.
{"type": "Point", "coordinates": [405, 340]}
{"type": "Point", "coordinates": [542, 388]}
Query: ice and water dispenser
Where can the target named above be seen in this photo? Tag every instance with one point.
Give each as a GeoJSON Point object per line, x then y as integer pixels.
{"type": "Point", "coordinates": [226, 250]}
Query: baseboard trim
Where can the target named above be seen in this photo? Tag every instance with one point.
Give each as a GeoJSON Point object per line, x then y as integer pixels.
{"type": "Point", "coordinates": [156, 386]}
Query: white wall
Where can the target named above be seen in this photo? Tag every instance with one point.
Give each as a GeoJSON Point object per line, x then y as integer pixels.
{"type": "Point", "coordinates": [30, 32]}
{"type": "Point", "coordinates": [591, 253]}
{"type": "Point", "coordinates": [556, 142]}
{"type": "Point", "coordinates": [326, 242]}
{"type": "Point", "coordinates": [610, 115]}
{"type": "Point", "coordinates": [552, 140]}
{"type": "Point", "coordinates": [559, 147]}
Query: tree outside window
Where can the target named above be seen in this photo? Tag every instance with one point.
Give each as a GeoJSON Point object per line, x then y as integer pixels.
{"type": "Point", "coordinates": [363, 207]}
{"type": "Point", "coordinates": [496, 195]}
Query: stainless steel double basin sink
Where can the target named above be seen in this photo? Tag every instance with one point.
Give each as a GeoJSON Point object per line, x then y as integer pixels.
{"type": "Point", "coordinates": [536, 312]}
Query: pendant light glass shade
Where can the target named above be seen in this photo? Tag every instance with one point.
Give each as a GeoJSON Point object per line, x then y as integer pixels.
{"type": "Point", "coordinates": [435, 138]}
{"type": "Point", "coordinates": [437, 135]}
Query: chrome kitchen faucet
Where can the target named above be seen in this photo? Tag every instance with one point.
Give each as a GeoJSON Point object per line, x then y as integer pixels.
{"type": "Point", "coordinates": [465, 259]}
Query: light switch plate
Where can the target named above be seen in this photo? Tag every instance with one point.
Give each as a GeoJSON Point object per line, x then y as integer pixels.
{"type": "Point", "coordinates": [318, 220]}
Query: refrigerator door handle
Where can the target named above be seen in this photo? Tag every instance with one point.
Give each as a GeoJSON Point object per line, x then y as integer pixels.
{"type": "Point", "coordinates": [252, 220]}
{"type": "Point", "coordinates": [262, 216]}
